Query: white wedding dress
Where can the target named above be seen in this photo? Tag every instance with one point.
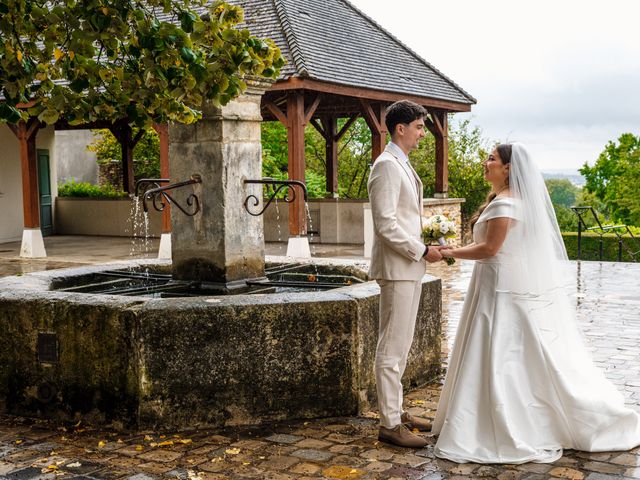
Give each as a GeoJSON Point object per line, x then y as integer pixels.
{"type": "Point", "coordinates": [521, 385]}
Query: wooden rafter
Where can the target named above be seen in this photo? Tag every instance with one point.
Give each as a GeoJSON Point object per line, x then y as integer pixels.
{"type": "Point", "coordinates": [318, 127]}
{"type": "Point", "coordinates": [308, 114]}
{"type": "Point", "coordinates": [275, 111]}
{"type": "Point", "coordinates": [370, 116]}
{"type": "Point", "coordinates": [346, 126]}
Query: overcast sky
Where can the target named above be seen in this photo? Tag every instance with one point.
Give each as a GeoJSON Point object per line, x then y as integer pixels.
{"type": "Point", "coordinates": [562, 76]}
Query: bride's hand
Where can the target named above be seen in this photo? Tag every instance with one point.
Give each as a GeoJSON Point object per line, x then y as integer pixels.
{"type": "Point", "coordinates": [446, 252]}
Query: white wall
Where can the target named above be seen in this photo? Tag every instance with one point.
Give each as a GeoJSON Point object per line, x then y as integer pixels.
{"type": "Point", "coordinates": [10, 187]}
{"type": "Point", "coordinates": [74, 160]}
{"type": "Point", "coordinates": [11, 215]}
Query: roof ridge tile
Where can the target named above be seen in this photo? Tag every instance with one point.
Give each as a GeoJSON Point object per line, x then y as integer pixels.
{"type": "Point", "coordinates": [290, 36]}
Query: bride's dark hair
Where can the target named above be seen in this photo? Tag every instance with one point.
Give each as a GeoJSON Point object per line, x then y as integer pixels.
{"type": "Point", "coordinates": [504, 153]}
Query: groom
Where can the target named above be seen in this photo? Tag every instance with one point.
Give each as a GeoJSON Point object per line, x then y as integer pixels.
{"type": "Point", "coordinates": [398, 264]}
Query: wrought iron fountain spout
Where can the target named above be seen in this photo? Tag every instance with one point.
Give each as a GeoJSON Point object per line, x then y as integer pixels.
{"type": "Point", "coordinates": [275, 187]}
{"type": "Point", "coordinates": [158, 194]}
{"type": "Point", "coordinates": [145, 184]}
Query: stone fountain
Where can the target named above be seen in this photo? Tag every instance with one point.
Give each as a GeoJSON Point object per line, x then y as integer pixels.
{"type": "Point", "coordinates": [222, 355]}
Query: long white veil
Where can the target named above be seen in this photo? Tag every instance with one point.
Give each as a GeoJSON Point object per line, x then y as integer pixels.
{"type": "Point", "coordinates": [537, 259]}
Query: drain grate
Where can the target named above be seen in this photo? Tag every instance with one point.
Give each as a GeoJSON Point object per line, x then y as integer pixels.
{"type": "Point", "coordinates": [47, 347]}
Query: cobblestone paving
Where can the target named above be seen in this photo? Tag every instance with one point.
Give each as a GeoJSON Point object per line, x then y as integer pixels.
{"type": "Point", "coordinates": [608, 297]}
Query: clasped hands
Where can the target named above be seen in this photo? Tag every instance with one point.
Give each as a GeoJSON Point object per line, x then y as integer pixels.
{"type": "Point", "coordinates": [437, 253]}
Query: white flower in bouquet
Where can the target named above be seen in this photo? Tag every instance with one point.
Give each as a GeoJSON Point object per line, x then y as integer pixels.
{"type": "Point", "coordinates": [437, 229]}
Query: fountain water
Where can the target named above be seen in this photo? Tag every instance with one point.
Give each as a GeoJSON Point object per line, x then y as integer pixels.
{"type": "Point", "coordinates": [180, 361]}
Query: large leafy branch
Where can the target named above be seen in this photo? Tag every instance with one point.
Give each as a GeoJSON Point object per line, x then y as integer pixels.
{"type": "Point", "coordinates": [143, 61]}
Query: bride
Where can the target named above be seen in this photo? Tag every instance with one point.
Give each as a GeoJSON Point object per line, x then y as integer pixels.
{"type": "Point", "coordinates": [521, 385]}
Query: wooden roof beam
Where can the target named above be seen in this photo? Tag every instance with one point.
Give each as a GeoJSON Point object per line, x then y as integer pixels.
{"type": "Point", "coordinates": [296, 83]}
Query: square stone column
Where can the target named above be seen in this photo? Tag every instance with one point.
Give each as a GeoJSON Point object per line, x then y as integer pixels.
{"type": "Point", "coordinates": [222, 244]}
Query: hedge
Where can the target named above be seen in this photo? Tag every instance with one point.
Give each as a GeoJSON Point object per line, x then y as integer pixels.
{"type": "Point", "coordinates": [72, 188]}
{"type": "Point", "coordinates": [591, 246]}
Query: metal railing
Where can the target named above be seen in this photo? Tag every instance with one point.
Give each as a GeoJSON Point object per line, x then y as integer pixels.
{"type": "Point", "coordinates": [622, 232]}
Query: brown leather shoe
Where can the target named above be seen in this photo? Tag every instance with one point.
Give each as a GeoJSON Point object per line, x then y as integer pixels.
{"type": "Point", "coordinates": [418, 423]}
{"type": "Point", "coordinates": [401, 436]}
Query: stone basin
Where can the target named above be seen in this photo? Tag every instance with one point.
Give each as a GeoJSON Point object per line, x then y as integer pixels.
{"type": "Point", "coordinates": [213, 360]}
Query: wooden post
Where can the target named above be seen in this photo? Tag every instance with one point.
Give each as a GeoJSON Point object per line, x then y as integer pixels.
{"type": "Point", "coordinates": [124, 134]}
{"type": "Point", "coordinates": [163, 133]}
{"type": "Point", "coordinates": [128, 180]}
{"type": "Point", "coordinates": [330, 127]}
{"type": "Point", "coordinates": [295, 130]}
{"type": "Point", "coordinates": [440, 129]}
{"type": "Point", "coordinates": [374, 115]}
{"type": "Point", "coordinates": [26, 133]}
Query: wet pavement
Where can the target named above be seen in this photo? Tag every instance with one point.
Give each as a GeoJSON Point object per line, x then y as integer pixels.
{"type": "Point", "coordinates": [608, 300]}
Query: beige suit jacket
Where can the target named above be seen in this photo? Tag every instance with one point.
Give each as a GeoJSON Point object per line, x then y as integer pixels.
{"type": "Point", "coordinates": [395, 194]}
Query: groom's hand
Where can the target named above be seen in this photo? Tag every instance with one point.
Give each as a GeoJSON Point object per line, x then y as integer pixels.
{"type": "Point", "coordinates": [432, 255]}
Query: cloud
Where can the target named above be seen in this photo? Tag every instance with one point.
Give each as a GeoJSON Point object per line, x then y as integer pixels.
{"type": "Point", "coordinates": [563, 77]}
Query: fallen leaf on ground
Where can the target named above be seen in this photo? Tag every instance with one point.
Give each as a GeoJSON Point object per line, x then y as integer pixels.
{"type": "Point", "coordinates": [232, 451]}
{"type": "Point", "coordinates": [18, 442]}
{"type": "Point", "coordinates": [101, 443]}
{"type": "Point", "coordinates": [74, 465]}
{"type": "Point", "coordinates": [185, 441]}
{"type": "Point", "coordinates": [193, 475]}
{"type": "Point", "coordinates": [166, 443]}
{"type": "Point", "coordinates": [148, 438]}
{"type": "Point", "coordinates": [343, 473]}
{"type": "Point", "coordinates": [139, 448]}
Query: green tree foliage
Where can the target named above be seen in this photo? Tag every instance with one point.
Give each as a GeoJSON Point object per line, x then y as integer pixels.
{"type": "Point", "coordinates": [565, 195]}
{"type": "Point", "coordinates": [562, 192]}
{"type": "Point", "coordinates": [467, 150]}
{"type": "Point", "coordinates": [146, 154]}
{"type": "Point", "coordinates": [615, 177]}
{"type": "Point", "coordinates": [144, 61]}
{"type": "Point", "coordinates": [354, 156]}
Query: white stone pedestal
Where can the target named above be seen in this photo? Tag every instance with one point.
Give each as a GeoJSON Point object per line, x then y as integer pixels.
{"type": "Point", "coordinates": [164, 252]}
{"type": "Point", "coordinates": [298, 247]}
{"type": "Point", "coordinates": [32, 244]}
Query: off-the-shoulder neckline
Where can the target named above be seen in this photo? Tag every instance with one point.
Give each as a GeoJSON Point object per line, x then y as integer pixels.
{"type": "Point", "coordinates": [500, 198]}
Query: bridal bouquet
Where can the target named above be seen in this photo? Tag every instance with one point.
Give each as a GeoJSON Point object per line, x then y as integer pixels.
{"type": "Point", "coordinates": [438, 228]}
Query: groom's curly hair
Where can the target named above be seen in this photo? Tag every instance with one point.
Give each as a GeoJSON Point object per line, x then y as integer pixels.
{"type": "Point", "coordinates": [403, 111]}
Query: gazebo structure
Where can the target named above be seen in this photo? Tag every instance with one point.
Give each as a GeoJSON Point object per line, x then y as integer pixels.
{"type": "Point", "coordinates": [342, 64]}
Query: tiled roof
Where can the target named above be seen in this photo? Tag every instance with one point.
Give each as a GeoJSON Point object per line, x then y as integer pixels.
{"type": "Point", "coordinates": [332, 41]}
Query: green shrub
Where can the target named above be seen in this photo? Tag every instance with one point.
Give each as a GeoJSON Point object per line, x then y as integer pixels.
{"type": "Point", "coordinates": [72, 188]}
{"type": "Point", "coordinates": [146, 153]}
{"type": "Point", "coordinates": [591, 246]}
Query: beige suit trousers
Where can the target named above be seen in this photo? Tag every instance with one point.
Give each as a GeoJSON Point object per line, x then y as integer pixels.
{"type": "Point", "coordinates": [399, 302]}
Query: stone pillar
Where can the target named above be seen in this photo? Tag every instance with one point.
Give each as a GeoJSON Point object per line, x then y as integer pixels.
{"type": "Point", "coordinates": [222, 245]}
